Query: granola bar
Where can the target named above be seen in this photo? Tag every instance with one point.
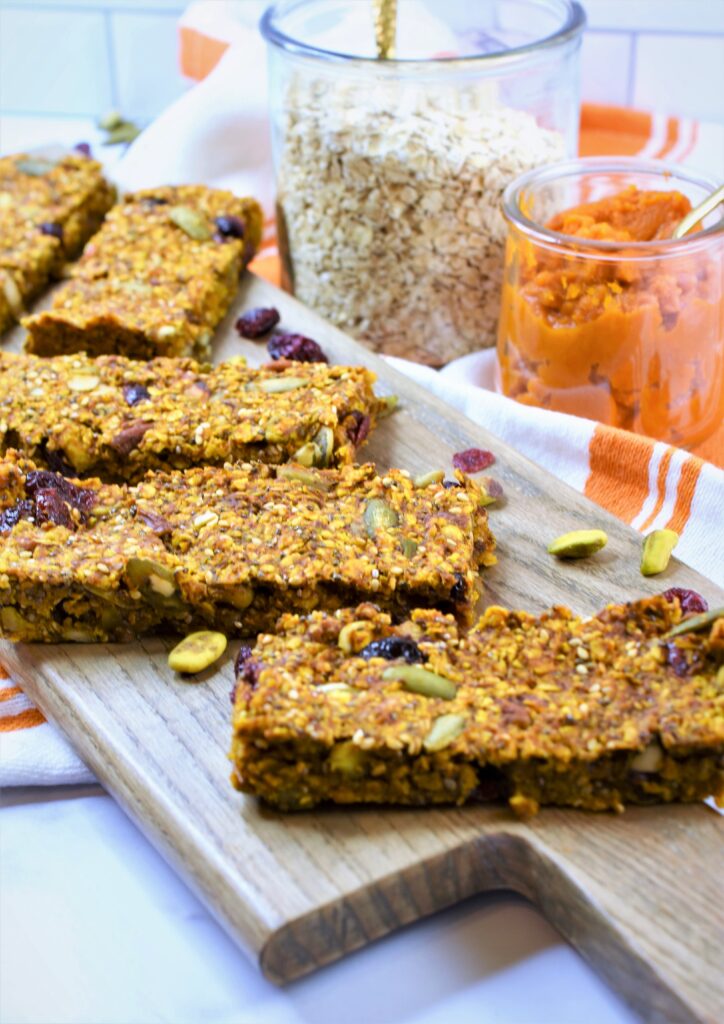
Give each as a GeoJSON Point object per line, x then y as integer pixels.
{"type": "Point", "coordinates": [116, 418]}
{"type": "Point", "coordinates": [230, 547]}
{"type": "Point", "coordinates": [589, 713]}
{"type": "Point", "coordinates": [48, 210]}
{"type": "Point", "coordinates": [156, 280]}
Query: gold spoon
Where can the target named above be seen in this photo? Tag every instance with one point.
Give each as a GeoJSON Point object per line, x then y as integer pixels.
{"type": "Point", "coordinates": [385, 14]}
{"type": "Point", "coordinates": [699, 212]}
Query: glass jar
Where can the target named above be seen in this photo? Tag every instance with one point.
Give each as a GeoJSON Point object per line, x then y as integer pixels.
{"type": "Point", "coordinates": [390, 174]}
{"type": "Point", "coordinates": [630, 333]}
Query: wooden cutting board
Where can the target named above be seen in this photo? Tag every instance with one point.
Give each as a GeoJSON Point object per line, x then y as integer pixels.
{"type": "Point", "coordinates": [639, 894]}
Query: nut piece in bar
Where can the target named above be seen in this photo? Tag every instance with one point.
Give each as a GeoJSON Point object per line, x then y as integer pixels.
{"type": "Point", "coordinates": [49, 208]}
{"type": "Point", "coordinates": [623, 708]}
{"type": "Point", "coordinates": [228, 548]}
{"type": "Point", "coordinates": [116, 418]}
{"type": "Point", "coordinates": [156, 280]}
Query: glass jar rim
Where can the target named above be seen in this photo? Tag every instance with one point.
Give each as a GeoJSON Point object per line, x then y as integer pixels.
{"type": "Point", "coordinates": [600, 248]}
{"type": "Point", "coordinates": [573, 24]}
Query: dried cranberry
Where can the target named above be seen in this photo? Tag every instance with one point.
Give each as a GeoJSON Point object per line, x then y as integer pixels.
{"type": "Point", "coordinates": [358, 430]}
{"type": "Point", "coordinates": [241, 658]}
{"type": "Point", "coordinates": [256, 322]}
{"type": "Point", "coordinates": [459, 591]}
{"type": "Point", "coordinates": [49, 227]}
{"type": "Point", "coordinates": [83, 148]}
{"type": "Point", "coordinates": [392, 648]}
{"type": "Point", "coordinates": [677, 657]}
{"type": "Point", "coordinates": [473, 460]}
{"type": "Point", "coordinates": [251, 672]}
{"type": "Point", "coordinates": [22, 509]}
{"type": "Point", "coordinates": [81, 498]}
{"type": "Point", "coordinates": [50, 508]}
{"type": "Point", "coordinates": [157, 524]}
{"type": "Point", "coordinates": [129, 437]}
{"type": "Point", "coordinates": [691, 602]}
{"type": "Point", "coordinates": [135, 393]}
{"type": "Point", "coordinates": [229, 227]}
{"type": "Point", "coordinates": [295, 347]}
{"type": "Point", "coordinates": [447, 484]}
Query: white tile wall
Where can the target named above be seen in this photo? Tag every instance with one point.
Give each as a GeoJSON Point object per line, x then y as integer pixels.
{"type": "Point", "coordinates": [82, 57]}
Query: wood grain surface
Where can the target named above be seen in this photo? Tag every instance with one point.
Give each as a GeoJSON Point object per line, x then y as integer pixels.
{"type": "Point", "coordinates": [638, 894]}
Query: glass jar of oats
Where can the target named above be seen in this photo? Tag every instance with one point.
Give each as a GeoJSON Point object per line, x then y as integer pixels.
{"type": "Point", "coordinates": [390, 173]}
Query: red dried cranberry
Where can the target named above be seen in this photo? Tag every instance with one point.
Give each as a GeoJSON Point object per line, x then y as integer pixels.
{"type": "Point", "coordinates": [251, 672]}
{"type": "Point", "coordinates": [49, 227]}
{"type": "Point", "coordinates": [691, 602]}
{"type": "Point", "coordinates": [22, 509]}
{"type": "Point", "coordinates": [50, 508]}
{"type": "Point", "coordinates": [256, 322]}
{"type": "Point", "coordinates": [241, 658]}
{"type": "Point", "coordinates": [392, 648]}
{"type": "Point", "coordinates": [83, 148]}
{"type": "Point", "coordinates": [129, 437]}
{"type": "Point", "coordinates": [229, 227]}
{"type": "Point", "coordinates": [295, 347]}
{"type": "Point", "coordinates": [677, 657]}
{"type": "Point", "coordinates": [81, 498]}
{"type": "Point", "coordinates": [157, 524]}
{"type": "Point", "coordinates": [473, 460]}
{"type": "Point", "coordinates": [358, 430]}
{"type": "Point", "coordinates": [135, 393]}
{"type": "Point", "coordinates": [459, 591]}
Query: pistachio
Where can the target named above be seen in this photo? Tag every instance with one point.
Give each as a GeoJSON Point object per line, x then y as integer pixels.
{"type": "Point", "coordinates": [83, 382]}
{"type": "Point", "coordinates": [409, 547]}
{"type": "Point", "coordinates": [301, 475]}
{"type": "Point", "coordinates": [649, 760]}
{"type": "Point", "coordinates": [347, 759]}
{"type": "Point", "coordinates": [353, 636]}
{"type": "Point", "coordinates": [197, 651]}
{"type": "Point", "coordinates": [308, 455]}
{"type": "Point", "coordinates": [36, 167]}
{"type": "Point", "coordinates": [278, 385]}
{"type": "Point", "coordinates": [444, 730]}
{"type": "Point", "coordinates": [389, 404]}
{"type": "Point", "coordinates": [435, 476]}
{"type": "Point", "coordinates": [324, 439]}
{"type": "Point", "coordinates": [656, 551]}
{"type": "Point", "coordinates": [377, 515]}
{"type": "Point", "coordinates": [578, 544]}
{"type": "Point", "coordinates": [694, 623]}
{"type": "Point", "coordinates": [192, 222]}
{"type": "Point", "coordinates": [421, 680]}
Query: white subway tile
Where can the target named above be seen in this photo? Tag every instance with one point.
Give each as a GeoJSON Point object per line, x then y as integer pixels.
{"type": "Point", "coordinates": [680, 75]}
{"type": "Point", "coordinates": [145, 53]}
{"type": "Point", "coordinates": [53, 61]}
{"type": "Point", "coordinates": [665, 15]}
{"type": "Point", "coordinates": [605, 67]}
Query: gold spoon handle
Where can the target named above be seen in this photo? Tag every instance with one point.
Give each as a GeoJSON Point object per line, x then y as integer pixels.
{"type": "Point", "coordinates": [699, 212]}
{"type": "Point", "coordinates": [385, 13]}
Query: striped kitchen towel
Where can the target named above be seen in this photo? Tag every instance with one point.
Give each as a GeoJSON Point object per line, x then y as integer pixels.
{"type": "Point", "coordinates": [645, 483]}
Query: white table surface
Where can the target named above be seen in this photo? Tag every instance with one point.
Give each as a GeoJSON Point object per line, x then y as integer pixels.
{"type": "Point", "coordinates": [95, 927]}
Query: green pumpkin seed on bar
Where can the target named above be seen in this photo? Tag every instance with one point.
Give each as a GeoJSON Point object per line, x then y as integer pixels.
{"type": "Point", "coordinates": [324, 440]}
{"type": "Point", "coordinates": [191, 222]}
{"type": "Point", "coordinates": [379, 515]}
{"type": "Point", "coordinates": [444, 730]}
{"type": "Point", "coordinates": [694, 623]}
{"type": "Point", "coordinates": [422, 681]}
{"type": "Point", "coordinates": [278, 385]}
{"type": "Point", "coordinates": [435, 476]}
{"type": "Point", "coordinates": [308, 455]}
{"type": "Point", "coordinates": [301, 475]}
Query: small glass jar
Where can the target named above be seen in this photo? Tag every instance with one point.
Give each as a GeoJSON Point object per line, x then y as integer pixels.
{"type": "Point", "coordinates": [390, 174]}
{"type": "Point", "coordinates": [630, 333]}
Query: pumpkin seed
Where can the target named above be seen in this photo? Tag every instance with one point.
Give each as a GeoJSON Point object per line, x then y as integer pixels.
{"type": "Point", "coordinates": [444, 730]}
{"type": "Point", "coordinates": [377, 515]}
{"type": "Point", "coordinates": [308, 455]}
{"type": "Point", "coordinates": [324, 439]}
{"type": "Point", "coordinates": [435, 476]}
{"type": "Point", "coordinates": [578, 544]}
{"type": "Point", "coordinates": [421, 680]}
{"type": "Point", "coordinates": [301, 475]}
{"type": "Point", "coordinates": [656, 551]}
{"type": "Point", "coordinates": [193, 223]}
{"type": "Point", "coordinates": [278, 385]}
{"type": "Point", "coordinates": [83, 382]}
{"type": "Point", "coordinates": [197, 651]}
{"type": "Point", "coordinates": [409, 547]}
{"type": "Point", "coordinates": [695, 623]}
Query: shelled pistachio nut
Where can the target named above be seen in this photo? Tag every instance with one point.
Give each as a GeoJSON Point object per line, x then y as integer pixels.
{"type": "Point", "coordinates": [578, 544]}
{"type": "Point", "coordinates": [656, 551]}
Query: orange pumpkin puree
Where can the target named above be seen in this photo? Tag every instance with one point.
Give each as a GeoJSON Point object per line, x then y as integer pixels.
{"type": "Point", "coordinates": [634, 342]}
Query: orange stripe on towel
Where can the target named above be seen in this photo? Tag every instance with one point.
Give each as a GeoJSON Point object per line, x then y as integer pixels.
{"type": "Point", "coordinates": [661, 476]}
{"type": "Point", "coordinates": [618, 477]}
{"type": "Point", "coordinates": [685, 494]}
{"type": "Point", "coordinates": [8, 692]}
{"type": "Point", "coordinates": [23, 720]}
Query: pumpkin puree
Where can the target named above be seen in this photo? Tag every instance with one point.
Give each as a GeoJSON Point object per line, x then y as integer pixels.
{"type": "Point", "coordinates": [635, 340]}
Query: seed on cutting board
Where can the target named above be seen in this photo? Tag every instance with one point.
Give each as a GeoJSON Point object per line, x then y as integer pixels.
{"type": "Point", "coordinates": [197, 651]}
{"type": "Point", "coordinates": [421, 680]}
{"type": "Point", "coordinates": [578, 544]}
{"type": "Point", "coordinates": [656, 552]}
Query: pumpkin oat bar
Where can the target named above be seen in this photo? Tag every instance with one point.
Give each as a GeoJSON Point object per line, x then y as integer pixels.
{"type": "Point", "coordinates": [228, 547]}
{"type": "Point", "coordinates": [156, 280]}
{"type": "Point", "coordinates": [117, 418]}
{"type": "Point", "coordinates": [48, 211]}
{"type": "Point", "coordinates": [591, 713]}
